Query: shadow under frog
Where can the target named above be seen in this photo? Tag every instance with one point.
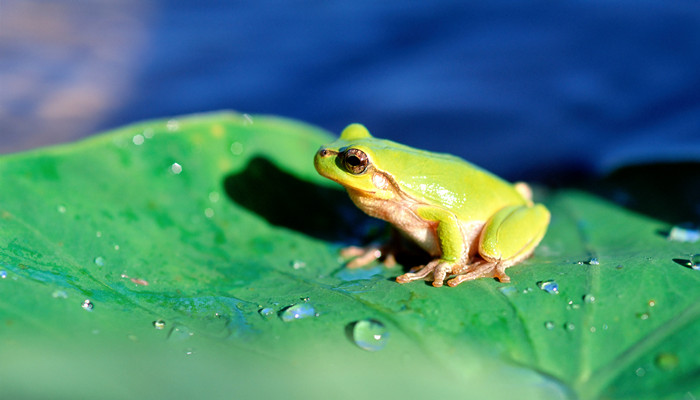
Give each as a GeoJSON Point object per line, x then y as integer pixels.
{"type": "Point", "coordinates": [287, 201]}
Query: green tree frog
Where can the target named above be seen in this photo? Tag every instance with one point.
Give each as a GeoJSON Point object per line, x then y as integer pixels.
{"type": "Point", "coordinates": [471, 222]}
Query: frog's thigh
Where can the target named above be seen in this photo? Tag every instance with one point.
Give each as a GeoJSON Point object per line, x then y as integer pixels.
{"type": "Point", "coordinates": [448, 232]}
{"type": "Point", "coordinates": [513, 233]}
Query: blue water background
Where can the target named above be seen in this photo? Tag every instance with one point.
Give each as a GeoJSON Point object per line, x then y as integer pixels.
{"type": "Point", "coordinates": [529, 90]}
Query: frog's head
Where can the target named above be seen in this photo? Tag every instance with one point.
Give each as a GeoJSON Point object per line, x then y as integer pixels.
{"type": "Point", "coordinates": [350, 161]}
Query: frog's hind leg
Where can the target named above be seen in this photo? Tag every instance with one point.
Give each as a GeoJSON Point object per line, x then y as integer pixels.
{"type": "Point", "coordinates": [478, 269]}
{"type": "Point", "coordinates": [420, 273]}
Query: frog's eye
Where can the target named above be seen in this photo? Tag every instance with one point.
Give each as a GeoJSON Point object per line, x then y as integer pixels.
{"type": "Point", "coordinates": [355, 161]}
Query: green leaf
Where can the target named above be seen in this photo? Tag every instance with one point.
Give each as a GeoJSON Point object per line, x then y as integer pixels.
{"type": "Point", "coordinates": [191, 238]}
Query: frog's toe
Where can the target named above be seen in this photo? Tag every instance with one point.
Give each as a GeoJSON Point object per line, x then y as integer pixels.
{"type": "Point", "coordinates": [363, 255]}
{"type": "Point", "coordinates": [479, 269]}
{"type": "Point", "coordinates": [421, 273]}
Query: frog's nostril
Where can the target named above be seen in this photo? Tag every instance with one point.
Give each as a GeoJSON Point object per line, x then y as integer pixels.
{"type": "Point", "coordinates": [323, 152]}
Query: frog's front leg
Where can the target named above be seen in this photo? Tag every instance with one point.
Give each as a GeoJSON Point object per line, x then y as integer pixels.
{"type": "Point", "coordinates": [453, 249]}
{"type": "Point", "coordinates": [509, 237]}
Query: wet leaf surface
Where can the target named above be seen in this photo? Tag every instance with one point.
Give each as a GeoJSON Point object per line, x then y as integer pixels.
{"type": "Point", "coordinates": [207, 249]}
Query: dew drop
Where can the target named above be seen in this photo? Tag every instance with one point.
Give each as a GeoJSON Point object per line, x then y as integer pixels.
{"type": "Point", "coordinates": [569, 326]}
{"type": "Point", "coordinates": [87, 305]}
{"type": "Point", "coordinates": [297, 311]}
{"type": "Point", "coordinates": [176, 168]}
{"type": "Point", "coordinates": [98, 234]}
{"type": "Point", "coordinates": [549, 286]}
{"type": "Point", "coordinates": [549, 325]}
{"type": "Point", "coordinates": [59, 294]}
{"type": "Point", "coordinates": [588, 298]}
{"type": "Point", "coordinates": [214, 197]}
{"type": "Point", "coordinates": [3, 274]}
{"type": "Point", "coordinates": [138, 139]}
{"type": "Point", "coordinates": [266, 311]}
{"type": "Point", "coordinates": [508, 290]}
{"type": "Point", "coordinates": [643, 316]}
{"type": "Point", "coordinates": [237, 148]}
{"type": "Point", "coordinates": [209, 212]}
{"type": "Point", "coordinates": [61, 208]}
{"type": "Point", "coordinates": [100, 261]}
{"type": "Point", "coordinates": [640, 372]}
{"type": "Point", "coordinates": [159, 324]}
{"type": "Point", "coordinates": [651, 303]}
{"type": "Point", "coordinates": [695, 261]}
{"type": "Point", "coordinates": [370, 334]}
{"type": "Point", "coordinates": [593, 261]}
{"type": "Point", "coordinates": [680, 233]}
{"type": "Point", "coordinates": [297, 264]}
{"type": "Point", "coordinates": [148, 133]}
{"type": "Point", "coordinates": [666, 361]}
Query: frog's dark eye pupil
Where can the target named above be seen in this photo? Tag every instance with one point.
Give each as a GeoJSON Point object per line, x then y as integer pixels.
{"type": "Point", "coordinates": [355, 161]}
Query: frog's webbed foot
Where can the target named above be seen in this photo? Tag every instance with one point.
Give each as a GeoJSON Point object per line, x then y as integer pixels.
{"type": "Point", "coordinates": [439, 268]}
{"type": "Point", "coordinates": [480, 269]}
{"type": "Point", "coordinates": [366, 255]}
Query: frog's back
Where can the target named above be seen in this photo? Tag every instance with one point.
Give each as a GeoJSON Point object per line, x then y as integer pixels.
{"type": "Point", "coordinates": [447, 181]}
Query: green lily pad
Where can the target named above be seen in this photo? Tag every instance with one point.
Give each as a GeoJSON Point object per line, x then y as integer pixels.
{"type": "Point", "coordinates": [198, 256]}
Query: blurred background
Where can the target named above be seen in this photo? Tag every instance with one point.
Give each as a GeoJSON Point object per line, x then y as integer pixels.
{"type": "Point", "coordinates": [536, 90]}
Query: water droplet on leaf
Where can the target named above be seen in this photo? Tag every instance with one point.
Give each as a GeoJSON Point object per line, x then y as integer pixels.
{"type": "Point", "coordinates": [370, 334]}
{"type": "Point", "coordinates": [549, 325]}
{"type": "Point", "coordinates": [695, 261]}
{"type": "Point", "coordinates": [138, 139]}
{"type": "Point", "coordinates": [176, 168]}
{"type": "Point", "coordinates": [159, 324]}
{"type": "Point", "coordinates": [643, 316]}
{"type": "Point", "coordinates": [266, 311]}
{"type": "Point", "coordinates": [3, 274]}
{"type": "Point", "coordinates": [549, 286]}
{"type": "Point", "coordinates": [87, 305]}
{"type": "Point", "coordinates": [508, 290]}
{"type": "Point", "coordinates": [569, 326]}
{"type": "Point", "coordinates": [588, 298]}
{"type": "Point", "coordinates": [236, 148]}
{"type": "Point", "coordinates": [100, 261]}
{"type": "Point", "coordinates": [297, 311]}
{"type": "Point", "coordinates": [680, 233]}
